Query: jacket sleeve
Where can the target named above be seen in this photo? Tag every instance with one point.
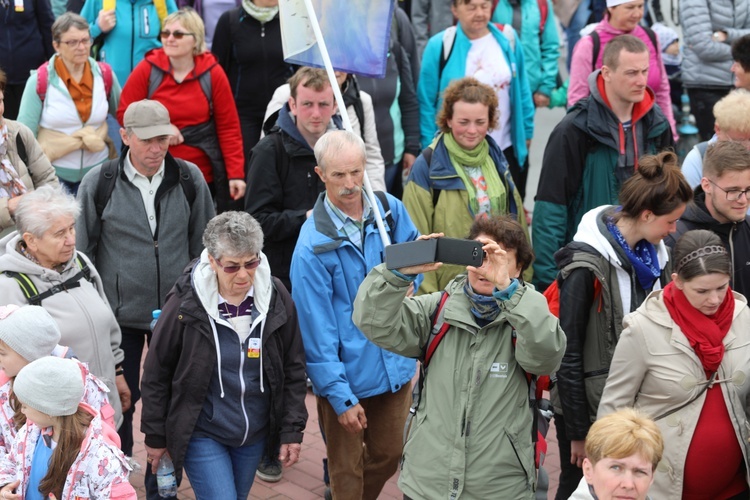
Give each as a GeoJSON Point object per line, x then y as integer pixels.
{"type": "Point", "coordinates": [115, 334]}
{"type": "Point", "coordinates": [264, 199]}
{"type": "Point", "coordinates": [389, 319]}
{"type": "Point", "coordinates": [420, 12]}
{"type": "Point", "coordinates": [295, 415]}
{"type": "Point", "coordinates": [136, 88]}
{"type": "Point", "coordinates": [313, 296]}
{"type": "Point", "coordinates": [627, 371]}
{"type": "Point", "coordinates": [540, 342]}
{"type": "Point", "coordinates": [158, 372]}
{"type": "Point", "coordinates": [580, 68]}
{"type": "Point", "coordinates": [560, 179]}
{"type": "Point", "coordinates": [692, 167]}
{"type": "Point", "coordinates": [221, 46]}
{"type": "Point", "coordinates": [550, 52]}
{"type": "Point", "coordinates": [30, 110]}
{"type": "Point", "coordinates": [407, 102]}
{"type": "Point", "coordinates": [697, 28]}
{"type": "Point", "coordinates": [228, 125]}
{"type": "Point", "coordinates": [90, 12]}
{"type": "Point", "coordinates": [45, 18]}
{"type": "Point", "coordinates": [428, 89]}
{"type": "Point", "coordinates": [527, 101]}
{"type": "Point", "coordinates": [40, 169]}
{"type": "Point", "coordinates": [408, 41]}
{"type": "Point", "coordinates": [576, 299]}
{"type": "Point", "coordinates": [201, 212]}
{"type": "Point", "coordinates": [375, 166]}
{"type": "Point", "coordinates": [88, 224]}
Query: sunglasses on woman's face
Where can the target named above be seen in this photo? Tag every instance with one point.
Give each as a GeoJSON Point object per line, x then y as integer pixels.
{"type": "Point", "coordinates": [249, 266]}
{"type": "Point", "coordinates": [178, 35]}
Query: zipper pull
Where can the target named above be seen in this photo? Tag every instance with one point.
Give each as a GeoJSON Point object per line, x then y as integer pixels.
{"type": "Point", "coordinates": [262, 30]}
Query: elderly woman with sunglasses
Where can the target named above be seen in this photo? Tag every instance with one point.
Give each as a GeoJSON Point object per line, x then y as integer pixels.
{"type": "Point", "coordinates": [190, 83]}
{"type": "Point", "coordinates": [224, 378]}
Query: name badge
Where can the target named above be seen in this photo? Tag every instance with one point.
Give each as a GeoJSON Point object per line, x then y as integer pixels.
{"type": "Point", "coordinates": [18, 5]}
{"type": "Point", "coordinates": [253, 348]}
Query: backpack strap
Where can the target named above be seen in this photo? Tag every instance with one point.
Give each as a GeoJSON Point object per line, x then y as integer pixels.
{"type": "Point", "coordinates": [105, 185]}
{"type": "Point", "coordinates": [449, 39]}
{"type": "Point", "coordinates": [157, 75]}
{"type": "Point", "coordinates": [597, 42]}
{"type": "Point", "coordinates": [439, 329]}
{"type": "Point", "coordinates": [42, 78]}
{"type": "Point", "coordinates": [543, 15]}
{"type": "Point", "coordinates": [106, 70]}
{"type": "Point", "coordinates": [388, 215]}
{"type": "Point", "coordinates": [186, 182]}
{"type": "Point", "coordinates": [21, 150]}
{"type": "Point", "coordinates": [31, 292]}
{"type": "Point", "coordinates": [27, 286]}
{"type": "Point", "coordinates": [154, 80]}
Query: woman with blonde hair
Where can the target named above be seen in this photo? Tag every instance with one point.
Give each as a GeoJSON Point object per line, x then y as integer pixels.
{"type": "Point", "coordinates": [190, 83]}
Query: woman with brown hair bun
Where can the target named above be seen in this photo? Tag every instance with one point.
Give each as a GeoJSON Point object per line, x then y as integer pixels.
{"type": "Point", "coordinates": [615, 260]}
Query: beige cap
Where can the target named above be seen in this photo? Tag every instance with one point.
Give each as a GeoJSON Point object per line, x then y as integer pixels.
{"type": "Point", "coordinates": [148, 119]}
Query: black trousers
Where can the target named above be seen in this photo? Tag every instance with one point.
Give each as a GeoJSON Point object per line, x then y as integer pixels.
{"type": "Point", "coordinates": [702, 102]}
{"type": "Point", "coordinates": [570, 474]}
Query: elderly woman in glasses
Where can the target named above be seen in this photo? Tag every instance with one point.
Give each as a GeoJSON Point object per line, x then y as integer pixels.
{"type": "Point", "coordinates": [190, 83]}
{"type": "Point", "coordinates": [224, 378]}
{"type": "Point", "coordinates": [683, 358]}
{"type": "Point", "coordinates": [66, 102]}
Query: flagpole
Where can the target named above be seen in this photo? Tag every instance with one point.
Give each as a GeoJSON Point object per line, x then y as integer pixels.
{"type": "Point", "coordinates": [344, 114]}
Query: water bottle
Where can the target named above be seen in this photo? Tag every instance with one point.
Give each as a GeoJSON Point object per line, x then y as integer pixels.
{"type": "Point", "coordinates": [165, 478]}
{"type": "Point", "coordinates": [155, 315]}
{"type": "Point", "coordinates": [687, 130]}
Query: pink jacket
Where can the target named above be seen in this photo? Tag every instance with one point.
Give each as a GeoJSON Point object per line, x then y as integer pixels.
{"type": "Point", "coordinates": [99, 471]}
{"type": "Point", "coordinates": [94, 394]}
{"type": "Point", "coordinates": [581, 67]}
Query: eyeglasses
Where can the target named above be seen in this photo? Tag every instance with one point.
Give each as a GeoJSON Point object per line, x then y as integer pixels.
{"type": "Point", "coordinates": [77, 43]}
{"type": "Point", "coordinates": [249, 266]}
{"type": "Point", "coordinates": [732, 194]}
{"type": "Point", "coordinates": [176, 34]}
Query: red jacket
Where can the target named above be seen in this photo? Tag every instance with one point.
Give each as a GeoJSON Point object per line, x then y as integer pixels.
{"type": "Point", "coordinates": [187, 106]}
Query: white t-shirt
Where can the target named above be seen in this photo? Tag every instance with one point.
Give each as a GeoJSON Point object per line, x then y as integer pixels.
{"type": "Point", "coordinates": [486, 62]}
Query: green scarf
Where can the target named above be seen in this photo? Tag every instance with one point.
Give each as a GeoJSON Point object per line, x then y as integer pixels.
{"type": "Point", "coordinates": [261, 14]}
{"type": "Point", "coordinates": [478, 157]}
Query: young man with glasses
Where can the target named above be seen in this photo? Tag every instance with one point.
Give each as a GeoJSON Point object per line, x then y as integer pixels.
{"type": "Point", "coordinates": [143, 234]}
{"type": "Point", "coordinates": [720, 205]}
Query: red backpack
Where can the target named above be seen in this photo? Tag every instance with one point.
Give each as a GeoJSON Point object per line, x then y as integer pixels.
{"type": "Point", "coordinates": [42, 78]}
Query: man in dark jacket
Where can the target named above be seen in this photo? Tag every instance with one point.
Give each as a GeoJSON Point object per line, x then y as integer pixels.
{"type": "Point", "coordinates": [282, 183]}
{"type": "Point", "coordinates": [720, 205]}
{"type": "Point", "coordinates": [595, 148]}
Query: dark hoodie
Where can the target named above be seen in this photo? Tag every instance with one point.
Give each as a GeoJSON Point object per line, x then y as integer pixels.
{"type": "Point", "coordinates": [282, 187]}
{"type": "Point", "coordinates": [734, 235]}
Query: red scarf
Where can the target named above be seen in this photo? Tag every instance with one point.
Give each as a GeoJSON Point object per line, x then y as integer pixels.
{"type": "Point", "coordinates": [705, 333]}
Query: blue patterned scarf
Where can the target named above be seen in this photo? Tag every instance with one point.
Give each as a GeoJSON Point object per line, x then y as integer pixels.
{"type": "Point", "coordinates": [643, 257]}
{"type": "Point", "coordinates": [484, 307]}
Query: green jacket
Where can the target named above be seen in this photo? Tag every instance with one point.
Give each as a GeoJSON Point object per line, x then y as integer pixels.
{"type": "Point", "coordinates": [471, 436]}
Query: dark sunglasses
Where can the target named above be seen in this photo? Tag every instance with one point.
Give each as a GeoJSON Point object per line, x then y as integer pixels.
{"type": "Point", "coordinates": [176, 34]}
{"type": "Point", "coordinates": [249, 266]}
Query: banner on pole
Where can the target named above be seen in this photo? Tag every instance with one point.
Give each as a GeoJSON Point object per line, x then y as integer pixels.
{"type": "Point", "coordinates": [356, 33]}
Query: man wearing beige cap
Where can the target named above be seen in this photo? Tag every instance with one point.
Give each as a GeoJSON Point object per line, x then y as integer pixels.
{"type": "Point", "coordinates": [142, 220]}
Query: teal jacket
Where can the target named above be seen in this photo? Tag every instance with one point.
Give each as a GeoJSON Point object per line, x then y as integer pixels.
{"type": "Point", "coordinates": [540, 51]}
{"type": "Point", "coordinates": [431, 85]}
{"type": "Point", "coordinates": [471, 436]}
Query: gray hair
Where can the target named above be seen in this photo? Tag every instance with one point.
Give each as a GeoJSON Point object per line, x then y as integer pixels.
{"type": "Point", "coordinates": [38, 209]}
{"type": "Point", "coordinates": [66, 21]}
{"type": "Point", "coordinates": [332, 143]}
{"type": "Point", "coordinates": [234, 234]}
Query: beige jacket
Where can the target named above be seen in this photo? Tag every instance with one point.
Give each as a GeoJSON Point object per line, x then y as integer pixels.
{"type": "Point", "coordinates": [655, 370]}
{"type": "Point", "coordinates": [37, 173]}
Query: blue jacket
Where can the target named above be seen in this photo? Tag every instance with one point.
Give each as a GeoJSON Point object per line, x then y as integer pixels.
{"type": "Point", "coordinates": [136, 32]}
{"type": "Point", "coordinates": [540, 52]}
{"type": "Point", "coordinates": [327, 270]}
{"type": "Point", "coordinates": [431, 85]}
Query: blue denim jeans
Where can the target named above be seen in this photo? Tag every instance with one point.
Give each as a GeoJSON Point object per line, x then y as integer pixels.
{"type": "Point", "coordinates": [219, 471]}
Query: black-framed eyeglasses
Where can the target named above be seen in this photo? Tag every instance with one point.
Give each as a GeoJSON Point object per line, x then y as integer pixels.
{"type": "Point", "coordinates": [249, 266]}
{"type": "Point", "coordinates": [77, 43]}
{"type": "Point", "coordinates": [733, 194]}
{"type": "Point", "coordinates": [178, 35]}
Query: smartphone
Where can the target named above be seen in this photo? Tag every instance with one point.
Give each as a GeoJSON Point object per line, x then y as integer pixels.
{"type": "Point", "coordinates": [411, 253]}
{"type": "Point", "coordinates": [459, 251]}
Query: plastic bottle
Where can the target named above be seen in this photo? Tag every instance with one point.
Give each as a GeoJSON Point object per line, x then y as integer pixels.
{"type": "Point", "coordinates": [165, 478]}
{"type": "Point", "coordinates": [155, 314]}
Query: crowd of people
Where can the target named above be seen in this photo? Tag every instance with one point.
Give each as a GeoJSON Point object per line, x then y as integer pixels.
{"type": "Point", "coordinates": [169, 182]}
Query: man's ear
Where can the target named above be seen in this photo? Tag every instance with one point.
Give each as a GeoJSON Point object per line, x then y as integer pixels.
{"type": "Point", "coordinates": [292, 106]}
{"type": "Point", "coordinates": [124, 137]}
{"type": "Point", "coordinates": [321, 173]}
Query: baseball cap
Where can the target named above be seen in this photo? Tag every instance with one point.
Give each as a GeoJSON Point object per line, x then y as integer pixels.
{"type": "Point", "coordinates": [148, 119]}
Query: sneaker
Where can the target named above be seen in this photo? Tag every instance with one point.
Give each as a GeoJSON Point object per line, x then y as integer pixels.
{"type": "Point", "coordinates": [269, 471]}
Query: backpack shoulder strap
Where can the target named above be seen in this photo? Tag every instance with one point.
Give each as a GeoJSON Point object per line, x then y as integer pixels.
{"type": "Point", "coordinates": [106, 70]}
{"type": "Point", "coordinates": [449, 39]}
{"type": "Point", "coordinates": [42, 77]}
{"type": "Point", "coordinates": [105, 185]}
{"type": "Point", "coordinates": [439, 329]}
{"type": "Point", "coordinates": [27, 286]}
{"type": "Point", "coordinates": [543, 14]}
{"type": "Point", "coordinates": [21, 150]}
{"type": "Point", "coordinates": [595, 48]}
{"type": "Point", "coordinates": [509, 34]}
{"type": "Point", "coordinates": [388, 215]}
{"type": "Point", "coordinates": [651, 36]}
{"type": "Point", "coordinates": [205, 81]}
{"type": "Point", "coordinates": [186, 182]}
{"type": "Point", "coordinates": [702, 147]}
{"type": "Point", "coordinates": [85, 269]}
{"type": "Point", "coordinates": [154, 80]}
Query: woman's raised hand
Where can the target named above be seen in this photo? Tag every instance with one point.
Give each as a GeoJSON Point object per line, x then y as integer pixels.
{"type": "Point", "coordinates": [495, 266]}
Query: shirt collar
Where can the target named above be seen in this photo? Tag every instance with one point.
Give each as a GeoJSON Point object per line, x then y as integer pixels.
{"type": "Point", "coordinates": [131, 172]}
{"type": "Point", "coordinates": [339, 218]}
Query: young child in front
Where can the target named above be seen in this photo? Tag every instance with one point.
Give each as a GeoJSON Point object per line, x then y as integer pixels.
{"type": "Point", "coordinates": [28, 333]}
{"type": "Point", "coordinates": [63, 451]}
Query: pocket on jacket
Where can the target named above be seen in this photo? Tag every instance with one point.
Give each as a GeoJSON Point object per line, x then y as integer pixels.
{"type": "Point", "coordinates": [594, 388]}
{"type": "Point", "coordinates": [524, 455]}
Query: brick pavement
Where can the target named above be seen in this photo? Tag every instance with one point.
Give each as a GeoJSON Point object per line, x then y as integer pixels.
{"type": "Point", "coordinates": [304, 480]}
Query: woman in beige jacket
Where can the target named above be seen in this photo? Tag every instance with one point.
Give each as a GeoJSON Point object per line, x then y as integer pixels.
{"type": "Point", "coordinates": [684, 359]}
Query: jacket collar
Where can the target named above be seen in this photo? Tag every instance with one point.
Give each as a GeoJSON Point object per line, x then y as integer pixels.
{"type": "Point", "coordinates": [287, 124]}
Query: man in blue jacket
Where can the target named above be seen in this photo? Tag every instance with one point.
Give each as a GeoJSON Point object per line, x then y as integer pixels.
{"type": "Point", "coordinates": [363, 392]}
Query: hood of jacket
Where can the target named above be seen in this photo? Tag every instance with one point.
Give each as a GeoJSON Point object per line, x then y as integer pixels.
{"type": "Point", "coordinates": [696, 213]}
{"type": "Point", "coordinates": [203, 62]}
{"type": "Point", "coordinates": [12, 260]}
